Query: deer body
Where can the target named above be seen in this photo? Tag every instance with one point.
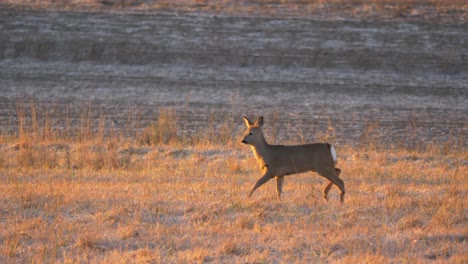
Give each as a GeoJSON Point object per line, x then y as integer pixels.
{"type": "Point", "coordinates": [277, 161]}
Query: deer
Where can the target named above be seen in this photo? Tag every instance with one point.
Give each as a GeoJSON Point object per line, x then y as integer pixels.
{"type": "Point", "coordinates": [277, 161]}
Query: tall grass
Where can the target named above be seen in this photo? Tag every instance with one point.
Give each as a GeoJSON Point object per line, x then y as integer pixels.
{"type": "Point", "coordinates": [94, 142]}
{"type": "Point", "coordinates": [160, 196]}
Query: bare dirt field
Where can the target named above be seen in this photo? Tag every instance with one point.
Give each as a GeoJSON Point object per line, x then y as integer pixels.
{"type": "Point", "coordinates": [400, 79]}
{"type": "Point", "coordinates": [121, 123]}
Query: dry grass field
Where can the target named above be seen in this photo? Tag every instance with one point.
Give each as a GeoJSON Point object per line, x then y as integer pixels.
{"type": "Point", "coordinates": [91, 192]}
{"type": "Point", "coordinates": [159, 197]}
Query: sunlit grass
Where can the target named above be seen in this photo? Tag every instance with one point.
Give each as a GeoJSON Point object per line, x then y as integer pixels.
{"type": "Point", "coordinates": [161, 197]}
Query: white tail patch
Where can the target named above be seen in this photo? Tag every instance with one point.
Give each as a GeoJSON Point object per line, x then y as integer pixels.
{"type": "Point", "coordinates": [333, 153]}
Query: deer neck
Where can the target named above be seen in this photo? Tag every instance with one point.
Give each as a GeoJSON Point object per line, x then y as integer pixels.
{"type": "Point", "coordinates": [261, 151]}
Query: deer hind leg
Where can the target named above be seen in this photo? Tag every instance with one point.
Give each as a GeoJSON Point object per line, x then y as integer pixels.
{"type": "Point", "coordinates": [337, 173]}
{"type": "Point", "coordinates": [326, 190]}
{"type": "Point", "coordinates": [332, 176]}
{"type": "Point", "coordinates": [279, 185]}
{"type": "Point", "coordinates": [330, 184]}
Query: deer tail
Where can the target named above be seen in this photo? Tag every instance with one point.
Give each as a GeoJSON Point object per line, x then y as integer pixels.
{"type": "Point", "coordinates": [333, 153]}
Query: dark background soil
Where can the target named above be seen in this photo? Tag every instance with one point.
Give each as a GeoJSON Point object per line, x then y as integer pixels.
{"type": "Point", "coordinates": [400, 82]}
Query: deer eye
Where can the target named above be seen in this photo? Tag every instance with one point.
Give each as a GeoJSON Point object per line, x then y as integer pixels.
{"type": "Point", "coordinates": [250, 133]}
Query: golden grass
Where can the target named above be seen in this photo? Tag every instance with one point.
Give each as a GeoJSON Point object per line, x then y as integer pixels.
{"type": "Point", "coordinates": [109, 199]}
{"type": "Point", "coordinates": [451, 10]}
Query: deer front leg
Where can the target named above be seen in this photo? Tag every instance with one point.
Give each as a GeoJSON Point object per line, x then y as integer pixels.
{"type": "Point", "coordinates": [266, 177]}
{"type": "Point", "coordinates": [279, 185]}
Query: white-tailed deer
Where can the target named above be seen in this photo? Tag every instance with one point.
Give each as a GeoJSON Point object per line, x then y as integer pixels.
{"type": "Point", "coordinates": [277, 161]}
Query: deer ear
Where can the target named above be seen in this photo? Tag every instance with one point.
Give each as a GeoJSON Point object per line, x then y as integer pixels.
{"type": "Point", "coordinates": [248, 123]}
{"type": "Point", "coordinates": [259, 122]}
